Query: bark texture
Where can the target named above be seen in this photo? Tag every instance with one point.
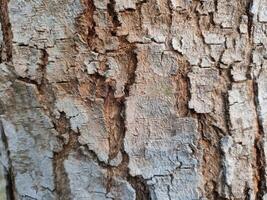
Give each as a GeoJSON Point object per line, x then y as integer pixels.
{"type": "Point", "coordinates": [133, 99]}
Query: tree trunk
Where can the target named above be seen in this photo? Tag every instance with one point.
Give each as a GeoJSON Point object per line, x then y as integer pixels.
{"type": "Point", "coordinates": [133, 99]}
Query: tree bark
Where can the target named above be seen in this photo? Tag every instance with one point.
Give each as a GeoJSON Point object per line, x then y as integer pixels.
{"type": "Point", "coordinates": [133, 99]}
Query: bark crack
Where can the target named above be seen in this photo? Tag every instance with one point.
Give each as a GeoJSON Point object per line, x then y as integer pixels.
{"type": "Point", "coordinates": [86, 24]}
{"type": "Point", "coordinates": [183, 89]}
{"type": "Point", "coordinates": [113, 14]}
{"type": "Point", "coordinates": [250, 19]}
{"type": "Point", "coordinates": [6, 29]}
{"type": "Point", "coordinates": [47, 99]}
{"type": "Point", "coordinates": [62, 126]}
{"type": "Point", "coordinates": [258, 145]}
{"type": "Point", "coordinates": [140, 186]}
{"type": "Point", "coordinates": [10, 187]}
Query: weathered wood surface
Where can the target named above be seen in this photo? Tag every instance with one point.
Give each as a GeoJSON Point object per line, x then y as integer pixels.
{"type": "Point", "coordinates": [133, 99]}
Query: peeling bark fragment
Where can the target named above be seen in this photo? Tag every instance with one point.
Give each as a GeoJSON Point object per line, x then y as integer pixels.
{"type": "Point", "coordinates": [238, 149]}
{"type": "Point", "coordinates": [259, 34]}
{"type": "Point", "coordinates": [213, 38]}
{"type": "Point", "coordinates": [180, 5]}
{"type": "Point", "coordinates": [186, 45]}
{"type": "Point", "coordinates": [243, 28]}
{"type": "Point", "coordinates": [237, 174]}
{"type": "Point", "coordinates": [122, 5]}
{"type": "Point", "coordinates": [31, 141]}
{"type": "Point", "coordinates": [203, 83]}
{"type": "Point", "coordinates": [225, 13]}
{"type": "Point", "coordinates": [117, 71]}
{"type": "Point", "coordinates": [91, 186]}
{"type": "Point", "coordinates": [53, 21]}
{"type": "Point", "coordinates": [157, 23]}
{"type": "Point", "coordinates": [235, 51]}
{"type": "Point", "coordinates": [110, 79]}
{"type": "Point", "coordinates": [183, 184]}
{"type": "Point", "coordinates": [162, 155]}
{"type": "Point", "coordinates": [166, 149]}
{"type": "Point", "coordinates": [89, 122]}
{"type": "Point", "coordinates": [94, 184]}
{"type": "Point", "coordinates": [27, 62]}
{"type": "Point", "coordinates": [242, 119]}
{"type": "Point", "coordinates": [131, 27]}
{"type": "Point", "coordinates": [262, 11]}
{"type": "Point", "coordinates": [157, 142]}
{"type": "Point", "coordinates": [51, 28]}
{"type": "Point", "coordinates": [254, 8]}
{"type": "Point", "coordinates": [206, 6]}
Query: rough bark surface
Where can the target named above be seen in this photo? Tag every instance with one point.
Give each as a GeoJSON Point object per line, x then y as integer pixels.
{"type": "Point", "coordinates": [133, 99]}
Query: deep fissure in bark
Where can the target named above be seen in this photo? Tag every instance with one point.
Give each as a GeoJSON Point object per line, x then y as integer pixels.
{"type": "Point", "coordinates": [258, 145]}
{"type": "Point", "coordinates": [10, 187]}
{"type": "Point", "coordinates": [210, 137]}
{"type": "Point", "coordinates": [113, 14]}
{"type": "Point", "coordinates": [86, 25]}
{"type": "Point", "coordinates": [6, 29]}
{"type": "Point", "coordinates": [250, 19]}
{"type": "Point", "coordinates": [115, 107]}
{"type": "Point", "coordinates": [114, 110]}
{"type": "Point", "coordinates": [183, 89]}
{"type": "Point", "coordinates": [62, 126]}
{"type": "Point", "coordinates": [140, 186]}
{"type": "Point", "coordinates": [43, 65]}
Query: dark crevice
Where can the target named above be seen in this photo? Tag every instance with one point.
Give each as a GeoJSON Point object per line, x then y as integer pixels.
{"type": "Point", "coordinates": [140, 186]}
{"type": "Point", "coordinates": [28, 81]}
{"type": "Point", "coordinates": [131, 75]}
{"type": "Point", "coordinates": [258, 145]}
{"type": "Point", "coordinates": [114, 111]}
{"type": "Point", "coordinates": [114, 16]}
{"type": "Point", "coordinates": [250, 19]}
{"type": "Point", "coordinates": [1, 53]}
{"type": "Point", "coordinates": [94, 157]}
{"type": "Point", "coordinates": [86, 24]}
{"type": "Point", "coordinates": [171, 13]}
{"type": "Point", "coordinates": [211, 19]}
{"type": "Point", "coordinates": [114, 107]}
{"type": "Point", "coordinates": [6, 29]}
{"type": "Point", "coordinates": [247, 192]}
{"type": "Point", "coordinates": [41, 83]}
{"type": "Point", "coordinates": [260, 174]}
{"type": "Point", "coordinates": [216, 196]}
{"type": "Point", "coordinates": [209, 142]}
{"type": "Point", "coordinates": [109, 181]}
{"type": "Point", "coordinates": [249, 53]}
{"type": "Point", "coordinates": [216, 5]}
{"type": "Point", "coordinates": [10, 187]}
{"type": "Point", "coordinates": [226, 108]}
{"type": "Point", "coordinates": [62, 126]}
{"type": "Point", "coordinates": [43, 65]}
{"type": "Point", "coordinates": [183, 89]}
